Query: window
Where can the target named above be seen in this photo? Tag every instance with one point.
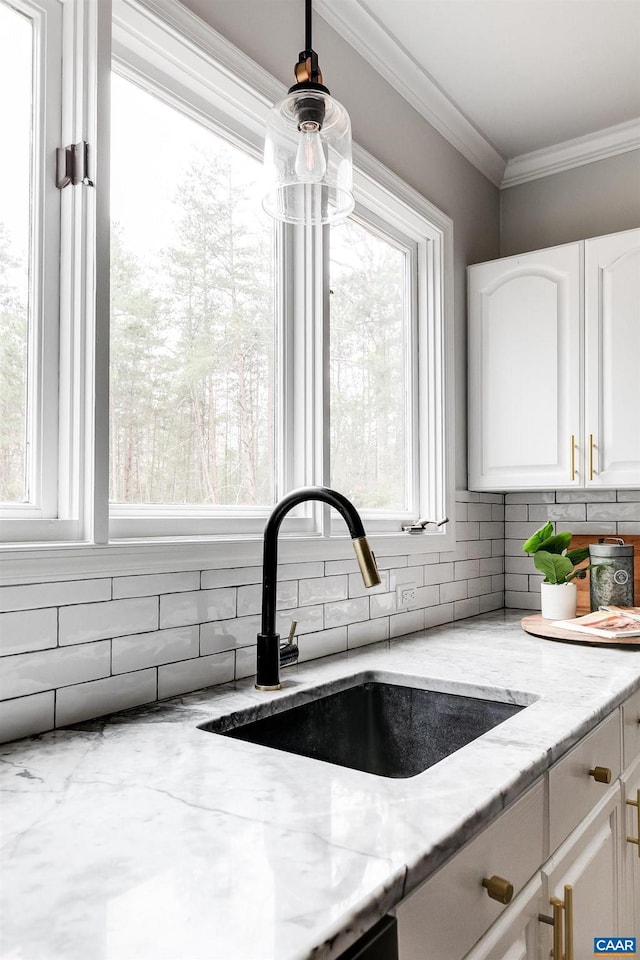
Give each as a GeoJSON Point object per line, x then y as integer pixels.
{"type": "Point", "coordinates": [372, 374]}
{"type": "Point", "coordinates": [30, 58]}
{"type": "Point", "coordinates": [242, 358]}
{"type": "Point", "coordinates": [192, 313]}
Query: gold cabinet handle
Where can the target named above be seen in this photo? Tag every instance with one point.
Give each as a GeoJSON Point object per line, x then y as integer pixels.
{"type": "Point", "coordinates": [590, 456]}
{"type": "Point", "coordinates": [636, 803]}
{"type": "Point", "coordinates": [562, 945]}
{"type": "Point", "coordinates": [573, 456]}
{"type": "Point", "coordinates": [601, 774]}
{"type": "Point", "coordinates": [498, 889]}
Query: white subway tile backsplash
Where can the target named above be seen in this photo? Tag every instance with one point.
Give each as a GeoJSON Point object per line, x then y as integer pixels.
{"type": "Point", "coordinates": [197, 606]}
{"type": "Point", "coordinates": [250, 598]}
{"type": "Point", "coordinates": [188, 675]}
{"type": "Point", "coordinates": [584, 496]}
{"type": "Point", "coordinates": [466, 608]}
{"type": "Point", "coordinates": [29, 673]}
{"type": "Point", "coordinates": [480, 585]}
{"type": "Point", "coordinates": [230, 577]}
{"type": "Point", "coordinates": [26, 630]}
{"type": "Point", "coordinates": [26, 716]}
{"type": "Point", "coordinates": [628, 495]}
{"type": "Point", "coordinates": [32, 595]}
{"type": "Point", "coordinates": [346, 611]}
{"type": "Point", "coordinates": [115, 618]}
{"type": "Point", "coordinates": [407, 622]}
{"type": "Point", "coordinates": [538, 496]}
{"type": "Point", "coordinates": [95, 699]}
{"type": "Point", "coordinates": [151, 649]}
{"type": "Point", "coordinates": [382, 604]}
{"type": "Point", "coordinates": [491, 601]}
{"type": "Point", "coordinates": [164, 634]}
{"type": "Point", "coordinates": [220, 635]}
{"type": "Point", "coordinates": [620, 512]}
{"type": "Point", "coordinates": [466, 569]}
{"type": "Point", "coordinates": [323, 589]}
{"type": "Point", "coordinates": [479, 511]}
{"type": "Point", "coordinates": [314, 645]}
{"type": "Point", "coordinates": [369, 631]}
{"type": "Point", "coordinates": [245, 662]}
{"type": "Point", "coordinates": [154, 584]}
{"type": "Point", "coordinates": [436, 616]}
{"type": "Point", "coordinates": [457, 590]}
{"type": "Point", "coordinates": [300, 571]}
{"type": "Point", "coordinates": [442, 573]}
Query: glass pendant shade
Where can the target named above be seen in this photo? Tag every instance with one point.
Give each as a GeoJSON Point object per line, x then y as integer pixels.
{"type": "Point", "coordinates": [307, 159]}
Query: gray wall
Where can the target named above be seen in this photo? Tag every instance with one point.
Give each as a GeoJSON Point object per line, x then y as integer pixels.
{"type": "Point", "coordinates": [588, 201]}
{"type": "Point", "coordinates": [271, 32]}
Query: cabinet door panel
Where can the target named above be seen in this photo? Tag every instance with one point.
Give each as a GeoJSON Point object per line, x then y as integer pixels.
{"type": "Point", "coordinates": [589, 862]}
{"type": "Point", "coordinates": [524, 370]}
{"type": "Point", "coordinates": [631, 857]}
{"type": "Point", "coordinates": [612, 353]}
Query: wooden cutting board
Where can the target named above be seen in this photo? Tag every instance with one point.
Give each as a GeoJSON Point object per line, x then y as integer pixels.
{"type": "Point", "coordinates": [539, 627]}
{"type": "Point", "coordinates": [583, 540]}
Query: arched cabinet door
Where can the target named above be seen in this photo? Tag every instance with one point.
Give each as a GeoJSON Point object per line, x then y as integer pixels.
{"type": "Point", "coordinates": [612, 360]}
{"type": "Point", "coordinates": [525, 386]}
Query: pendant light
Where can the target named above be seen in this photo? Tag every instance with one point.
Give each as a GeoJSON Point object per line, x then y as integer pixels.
{"type": "Point", "coordinates": [307, 150]}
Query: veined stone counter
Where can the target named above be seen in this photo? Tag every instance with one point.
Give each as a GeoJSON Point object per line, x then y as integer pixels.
{"type": "Point", "coordinates": [141, 837]}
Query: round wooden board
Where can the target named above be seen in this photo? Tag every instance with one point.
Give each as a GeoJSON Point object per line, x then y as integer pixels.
{"type": "Point", "coordinates": [536, 625]}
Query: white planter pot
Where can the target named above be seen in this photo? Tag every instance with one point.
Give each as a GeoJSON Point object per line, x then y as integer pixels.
{"type": "Point", "coordinates": [558, 600]}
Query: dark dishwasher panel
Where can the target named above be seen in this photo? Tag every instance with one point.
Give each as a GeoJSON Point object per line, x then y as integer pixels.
{"type": "Point", "coordinates": [379, 943]}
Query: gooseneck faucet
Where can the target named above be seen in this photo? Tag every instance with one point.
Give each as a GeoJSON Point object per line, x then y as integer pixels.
{"type": "Point", "coordinates": [268, 659]}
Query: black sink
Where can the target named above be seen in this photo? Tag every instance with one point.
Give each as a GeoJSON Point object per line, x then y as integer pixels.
{"type": "Point", "coordinates": [378, 727]}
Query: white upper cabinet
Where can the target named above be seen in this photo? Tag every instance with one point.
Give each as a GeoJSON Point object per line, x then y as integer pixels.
{"type": "Point", "coordinates": [612, 360]}
{"type": "Point", "coordinates": [554, 367]}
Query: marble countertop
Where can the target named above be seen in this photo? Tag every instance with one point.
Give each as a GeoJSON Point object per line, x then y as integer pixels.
{"type": "Point", "coordinates": [142, 837]}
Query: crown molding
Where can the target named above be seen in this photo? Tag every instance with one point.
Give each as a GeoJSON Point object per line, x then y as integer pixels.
{"type": "Point", "coordinates": [369, 38]}
{"type": "Point", "coordinates": [573, 153]}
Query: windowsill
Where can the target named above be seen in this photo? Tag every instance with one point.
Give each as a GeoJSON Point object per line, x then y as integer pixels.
{"type": "Point", "coordinates": [37, 563]}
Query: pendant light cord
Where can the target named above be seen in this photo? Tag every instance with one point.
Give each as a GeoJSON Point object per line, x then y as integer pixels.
{"type": "Point", "coordinates": [307, 25]}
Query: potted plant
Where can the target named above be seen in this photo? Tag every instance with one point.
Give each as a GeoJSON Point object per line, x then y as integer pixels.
{"type": "Point", "coordinates": [559, 565]}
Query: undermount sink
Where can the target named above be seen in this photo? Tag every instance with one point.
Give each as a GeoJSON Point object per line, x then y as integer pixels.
{"type": "Point", "coordinates": [386, 728]}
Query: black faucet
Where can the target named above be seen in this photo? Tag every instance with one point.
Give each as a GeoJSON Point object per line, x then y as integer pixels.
{"type": "Point", "coordinates": [268, 659]}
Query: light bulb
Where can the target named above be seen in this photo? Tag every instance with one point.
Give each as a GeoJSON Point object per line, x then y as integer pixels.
{"type": "Point", "coordinates": [310, 164]}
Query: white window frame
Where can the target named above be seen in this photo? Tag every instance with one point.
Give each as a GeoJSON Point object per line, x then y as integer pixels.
{"type": "Point", "coordinates": [226, 85]}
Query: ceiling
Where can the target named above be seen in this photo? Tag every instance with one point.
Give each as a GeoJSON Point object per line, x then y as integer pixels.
{"type": "Point", "coordinates": [522, 87]}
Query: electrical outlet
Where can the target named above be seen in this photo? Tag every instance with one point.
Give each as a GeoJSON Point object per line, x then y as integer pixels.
{"type": "Point", "coordinates": [406, 595]}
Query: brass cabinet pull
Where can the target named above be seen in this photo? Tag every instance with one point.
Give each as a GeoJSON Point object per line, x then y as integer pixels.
{"type": "Point", "coordinates": [562, 945]}
{"type": "Point", "coordinates": [636, 803]}
{"type": "Point", "coordinates": [601, 774]}
{"type": "Point", "coordinates": [498, 889]}
{"type": "Point", "coordinates": [590, 456]}
{"type": "Point", "coordinates": [573, 456]}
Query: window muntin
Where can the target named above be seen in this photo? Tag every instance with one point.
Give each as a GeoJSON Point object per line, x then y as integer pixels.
{"type": "Point", "coordinates": [372, 312]}
{"type": "Point", "coordinates": [192, 320]}
{"type": "Point", "coordinates": [16, 252]}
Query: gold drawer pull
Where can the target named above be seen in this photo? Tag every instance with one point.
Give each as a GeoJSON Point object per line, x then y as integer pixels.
{"type": "Point", "coordinates": [573, 456]}
{"type": "Point", "coordinates": [590, 456]}
{"type": "Point", "coordinates": [601, 774]}
{"type": "Point", "coordinates": [498, 889]}
{"type": "Point", "coordinates": [559, 906]}
{"type": "Point", "coordinates": [636, 803]}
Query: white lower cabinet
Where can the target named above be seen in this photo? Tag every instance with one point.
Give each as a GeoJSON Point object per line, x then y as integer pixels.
{"type": "Point", "coordinates": [583, 878]}
{"type": "Point", "coordinates": [567, 848]}
{"type": "Point", "coordinates": [631, 849]}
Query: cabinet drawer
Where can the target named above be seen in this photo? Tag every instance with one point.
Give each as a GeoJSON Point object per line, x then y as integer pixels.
{"type": "Point", "coordinates": [446, 915]}
{"type": "Point", "coordinates": [572, 789]}
{"type": "Point", "coordinates": [631, 728]}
